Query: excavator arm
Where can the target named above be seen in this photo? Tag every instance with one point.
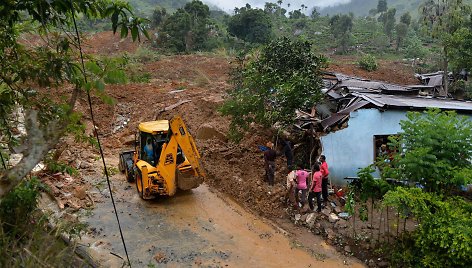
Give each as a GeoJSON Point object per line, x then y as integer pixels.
{"type": "Point", "coordinates": [187, 145]}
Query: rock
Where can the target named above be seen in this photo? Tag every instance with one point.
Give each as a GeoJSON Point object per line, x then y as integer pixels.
{"type": "Point", "coordinates": [371, 263]}
{"type": "Point", "coordinates": [85, 165]}
{"type": "Point", "coordinates": [347, 249]}
{"type": "Point", "coordinates": [382, 264]}
{"type": "Point", "coordinates": [80, 192]}
{"type": "Point", "coordinates": [297, 217]}
{"type": "Point", "coordinates": [310, 219]}
{"type": "Point", "coordinates": [326, 212]}
{"type": "Point", "coordinates": [303, 217]}
{"type": "Point", "coordinates": [333, 218]}
{"type": "Point", "coordinates": [341, 224]}
{"type": "Point", "coordinates": [338, 210]}
{"type": "Point", "coordinates": [331, 234]}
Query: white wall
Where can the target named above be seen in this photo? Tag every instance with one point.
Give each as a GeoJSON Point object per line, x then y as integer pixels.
{"type": "Point", "coordinates": [352, 148]}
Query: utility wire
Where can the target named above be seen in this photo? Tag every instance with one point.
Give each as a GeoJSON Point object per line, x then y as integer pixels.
{"type": "Point", "coordinates": [96, 132]}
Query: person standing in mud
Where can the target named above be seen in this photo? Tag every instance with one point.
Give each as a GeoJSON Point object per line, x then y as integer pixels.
{"type": "Point", "coordinates": [315, 190]}
{"type": "Point", "coordinates": [302, 185]}
{"type": "Point", "coordinates": [291, 186]}
{"type": "Point", "coordinates": [288, 152]}
{"type": "Point", "coordinates": [324, 182]}
{"type": "Point", "coordinates": [269, 160]}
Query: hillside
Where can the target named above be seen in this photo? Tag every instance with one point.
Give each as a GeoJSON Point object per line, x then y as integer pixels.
{"type": "Point", "coordinates": [145, 7]}
{"type": "Point", "coordinates": [362, 7]}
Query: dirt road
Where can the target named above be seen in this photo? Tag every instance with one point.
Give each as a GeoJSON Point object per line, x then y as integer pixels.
{"type": "Point", "coordinates": [197, 228]}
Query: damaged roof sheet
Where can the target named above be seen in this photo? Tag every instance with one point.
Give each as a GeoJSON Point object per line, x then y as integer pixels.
{"type": "Point", "coordinates": [385, 101]}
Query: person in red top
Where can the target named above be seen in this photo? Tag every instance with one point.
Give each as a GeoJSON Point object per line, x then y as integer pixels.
{"type": "Point", "coordinates": [324, 183]}
{"type": "Point", "coordinates": [315, 190]}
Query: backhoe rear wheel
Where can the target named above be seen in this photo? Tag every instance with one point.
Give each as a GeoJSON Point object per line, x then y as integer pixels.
{"type": "Point", "coordinates": [139, 184]}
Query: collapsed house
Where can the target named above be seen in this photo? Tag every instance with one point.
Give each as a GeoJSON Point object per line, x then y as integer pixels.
{"type": "Point", "coordinates": [359, 115]}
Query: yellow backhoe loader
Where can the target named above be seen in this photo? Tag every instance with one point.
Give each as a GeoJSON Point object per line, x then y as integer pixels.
{"type": "Point", "coordinates": [164, 159]}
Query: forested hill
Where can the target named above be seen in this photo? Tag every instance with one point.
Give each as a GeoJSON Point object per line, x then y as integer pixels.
{"type": "Point", "coordinates": [146, 7]}
{"type": "Point", "coordinates": [362, 7]}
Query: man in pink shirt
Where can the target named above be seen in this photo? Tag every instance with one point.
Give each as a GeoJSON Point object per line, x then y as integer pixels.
{"type": "Point", "coordinates": [315, 190]}
{"type": "Point", "coordinates": [301, 179]}
{"type": "Point", "coordinates": [324, 183]}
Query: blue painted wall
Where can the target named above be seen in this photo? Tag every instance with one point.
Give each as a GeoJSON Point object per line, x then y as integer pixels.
{"type": "Point", "coordinates": [352, 148]}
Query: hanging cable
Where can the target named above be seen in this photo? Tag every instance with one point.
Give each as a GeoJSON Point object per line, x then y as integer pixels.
{"type": "Point", "coordinates": [96, 132]}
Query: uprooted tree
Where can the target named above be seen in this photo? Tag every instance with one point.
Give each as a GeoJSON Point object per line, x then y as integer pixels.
{"type": "Point", "coordinates": [32, 77]}
{"type": "Point", "coordinates": [273, 82]}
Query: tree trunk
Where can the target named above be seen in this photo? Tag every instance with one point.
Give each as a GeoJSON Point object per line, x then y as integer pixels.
{"type": "Point", "coordinates": [39, 141]}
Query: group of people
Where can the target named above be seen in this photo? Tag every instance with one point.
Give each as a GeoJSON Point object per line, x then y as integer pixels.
{"type": "Point", "coordinates": [303, 184]}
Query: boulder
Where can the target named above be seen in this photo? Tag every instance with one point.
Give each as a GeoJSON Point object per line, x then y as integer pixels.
{"type": "Point", "coordinates": [341, 224]}
{"type": "Point", "coordinates": [333, 218]}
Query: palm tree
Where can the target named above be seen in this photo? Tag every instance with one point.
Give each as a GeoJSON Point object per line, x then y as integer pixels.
{"type": "Point", "coordinates": [279, 2]}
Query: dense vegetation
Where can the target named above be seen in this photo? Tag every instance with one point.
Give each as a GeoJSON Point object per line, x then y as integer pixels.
{"type": "Point", "coordinates": [280, 54]}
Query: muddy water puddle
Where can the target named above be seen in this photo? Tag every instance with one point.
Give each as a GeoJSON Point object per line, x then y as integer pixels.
{"type": "Point", "coordinates": [192, 229]}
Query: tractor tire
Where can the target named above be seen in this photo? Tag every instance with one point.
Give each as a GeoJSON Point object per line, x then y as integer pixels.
{"type": "Point", "coordinates": [139, 184]}
{"type": "Point", "coordinates": [121, 165]}
{"type": "Point", "coordinates": [129, 175]}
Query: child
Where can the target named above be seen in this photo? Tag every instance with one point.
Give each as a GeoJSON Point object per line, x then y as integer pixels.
{"type": "Point", "coordinates": [315, 188]}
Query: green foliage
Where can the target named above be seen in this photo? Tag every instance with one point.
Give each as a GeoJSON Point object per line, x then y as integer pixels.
{"type": "Point", "coordinates": [188, 28]}
{"type": "Point", "coordinates": [415, 49]}
{"type": "Point", "coordinates": [17, 208]}
{"type": "Point", "coordinates": [406, 18]}
{"type": "Point", "coordinates": [436, 150]}
{"type": "Point", "coordinates": [388, 21]}
{"type": "Point", "coordinates": [442, 239]}
{"type": "Point", "coordinates": [368, 63]}
{"type": "Point", "coordinates": [24, 237]}
{"type": "Point", "coordinates": [341, 27]}
{"type": "Point", "coordinates": [272, 83]}
{"type": "Point", "coordinates": [401, 30]}
{"type": "Point", "coordinates": [251, 25]}
{"type": "Point", "coordinates": [159, 15]}
{"type": "Point", "coordinates": [382, 6]}
{"type": "Point", "coordinates": [55, 167]}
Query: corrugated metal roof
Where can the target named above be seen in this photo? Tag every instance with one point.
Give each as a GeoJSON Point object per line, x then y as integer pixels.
{"type": "Point", "coordinates": [385, 101]}
{"type": "Point", "coordinates": [336, 117]}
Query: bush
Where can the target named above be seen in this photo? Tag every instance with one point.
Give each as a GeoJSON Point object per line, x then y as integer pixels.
{"type": "Point", "coordinates": [368, 63]}
{"type": "Point", "coordinates": [442, 238]}
{"type": "Point", "coordinates": [26, 240]}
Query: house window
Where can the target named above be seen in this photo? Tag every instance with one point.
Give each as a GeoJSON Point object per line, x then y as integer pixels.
{"type": "Point", "coordinates": [381, 147]}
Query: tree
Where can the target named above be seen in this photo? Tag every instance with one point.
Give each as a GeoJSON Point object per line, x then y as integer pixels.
{"type": "Point", "coordinates": [434, 150]}
{"type": "Point", "coordinates": [30, 76]}
{"type": "Point", "coordinates": [296, 14]}
{"type": "Point", "coordinates": [187, 29]}
{"type": "Point", "coordinates": [159, 15]}
{"type": "Point", "coordinates": [271, 84]}
{"type": "Point", "coordinates": [442, 20]}
{"type": "Point", "coordinates": [402, 31]}
{"type": "Point", "coordinates": [341, 27]}
{"type": "Point", "coordinates": [406, 18]}
{"type": "Point", "coordinates": [382, 6]}
{"type": "Point", "coordinates": [388, 20]}
{"type": "Point", "coordinates": [251, 25]}
{"type": "Point", "coordinates": [314, 14]}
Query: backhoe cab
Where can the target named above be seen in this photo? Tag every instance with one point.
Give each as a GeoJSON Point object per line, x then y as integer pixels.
{"type": "Point", "coordinates": [165, 159]}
